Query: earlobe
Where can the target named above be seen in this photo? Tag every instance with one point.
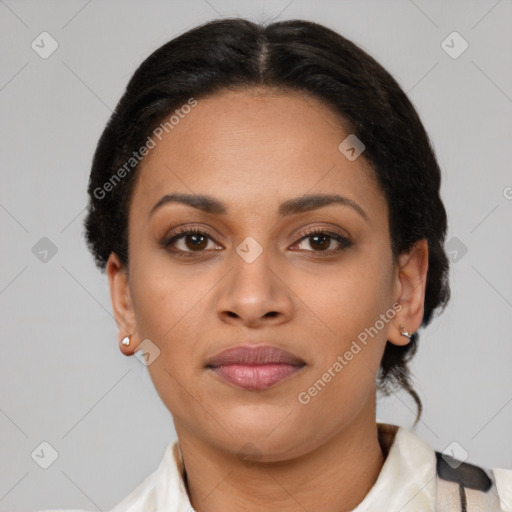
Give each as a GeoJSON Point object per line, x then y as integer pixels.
{"type": "Point", "coordinates": [122, 305]}
{"type": "Point", "coordinates": [410, 281]}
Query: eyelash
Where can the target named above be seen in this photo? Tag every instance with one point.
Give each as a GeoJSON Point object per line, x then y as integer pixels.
{"type": "Point", "coordinates": [183, 232]}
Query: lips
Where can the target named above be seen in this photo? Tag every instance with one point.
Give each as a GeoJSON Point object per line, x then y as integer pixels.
{"type": "Point", "coordinates": [255, 368]}
{"type": "Point", "coordinates": [247, 355]}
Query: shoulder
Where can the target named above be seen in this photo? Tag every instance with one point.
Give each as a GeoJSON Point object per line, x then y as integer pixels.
{"type": "Point", "coordinates": [504, 485]}
{"type": "Point", "coordinates": [458, 484]}
{"type": "Point", "coordinates": [472, 485]}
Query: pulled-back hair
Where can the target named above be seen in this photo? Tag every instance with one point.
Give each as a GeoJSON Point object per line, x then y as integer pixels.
{"type": "Point", "coordinates": [289, 55]}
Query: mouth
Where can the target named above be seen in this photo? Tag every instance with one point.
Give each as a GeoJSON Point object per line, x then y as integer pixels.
{"type": "Point", "coordinates": [255, 368]}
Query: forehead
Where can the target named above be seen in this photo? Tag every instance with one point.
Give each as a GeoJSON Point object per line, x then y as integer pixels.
{"type": "Point", "coordinates": [255, 146]}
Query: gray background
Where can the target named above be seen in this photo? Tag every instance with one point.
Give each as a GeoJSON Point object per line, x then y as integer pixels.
{"type": "Point", "coordinates": [63, 379]}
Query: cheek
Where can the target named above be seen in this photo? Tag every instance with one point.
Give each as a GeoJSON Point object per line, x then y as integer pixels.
{"type": "Point", "coordinates": [338, 401]}
{"type": "Point", "coordinates": [169, 311]}
{"type": "Point", "coordinates": [349, 312]}
{"type": "Point", "coordinates": [167, 299]}
{"type": "Point", "coordinates": [350, 337]}
{"type": "Point", "coordinates": [348, 300]}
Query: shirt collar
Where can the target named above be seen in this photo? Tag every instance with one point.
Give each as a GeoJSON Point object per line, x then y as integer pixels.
{"type": "Point", "coordinates": [406, 482]}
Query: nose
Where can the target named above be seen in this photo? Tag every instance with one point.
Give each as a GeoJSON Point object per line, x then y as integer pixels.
{"type": "Point", "coordinates": [254, 294]}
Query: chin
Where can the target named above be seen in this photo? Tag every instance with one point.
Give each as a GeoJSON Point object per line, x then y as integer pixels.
{"type": "Point", "coordinates": [269, 440]}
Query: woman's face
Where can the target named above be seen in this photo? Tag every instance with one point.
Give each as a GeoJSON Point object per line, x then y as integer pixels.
{"type": "Point", "coordinates": [256, 277]}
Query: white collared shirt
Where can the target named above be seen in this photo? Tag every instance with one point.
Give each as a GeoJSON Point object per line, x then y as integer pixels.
{"type": "Point", "coordinates": [406, 482]}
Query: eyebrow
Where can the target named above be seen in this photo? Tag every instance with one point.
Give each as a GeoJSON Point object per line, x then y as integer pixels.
{"type": "Point", "coordinates": [293, 206]}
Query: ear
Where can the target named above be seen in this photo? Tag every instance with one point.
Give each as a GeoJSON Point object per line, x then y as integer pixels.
{"type": "Point", "coordinates": [410, 286]}
{"type": "Point", "coordinates": [122, 304]}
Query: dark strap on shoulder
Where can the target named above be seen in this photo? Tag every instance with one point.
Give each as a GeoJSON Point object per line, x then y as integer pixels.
{"type": "Point", "coordinates": [464, 487]}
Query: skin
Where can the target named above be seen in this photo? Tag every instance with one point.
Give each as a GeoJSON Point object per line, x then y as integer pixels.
{"type": "Point", "coordinates": [252, 150]}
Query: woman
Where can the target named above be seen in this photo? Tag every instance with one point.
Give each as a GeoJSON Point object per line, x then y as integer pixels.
{"type": "Point", "coordinates": [265, 203]}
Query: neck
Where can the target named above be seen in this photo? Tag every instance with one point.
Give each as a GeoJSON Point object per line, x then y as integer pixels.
{"type": "Point", "coordinates": [335, 476]}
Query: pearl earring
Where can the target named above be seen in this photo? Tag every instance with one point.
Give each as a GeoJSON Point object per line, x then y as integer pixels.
{"type": "Point", "coordinates": [126, 340]}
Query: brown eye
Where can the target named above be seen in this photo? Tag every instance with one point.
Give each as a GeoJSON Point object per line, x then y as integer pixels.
{"type": "Point", "coordinates": [195, 241]}
{"type": "Point", "coordinates": [192, 240]}
{"type": "Point", "coordinates": [320, 241]}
